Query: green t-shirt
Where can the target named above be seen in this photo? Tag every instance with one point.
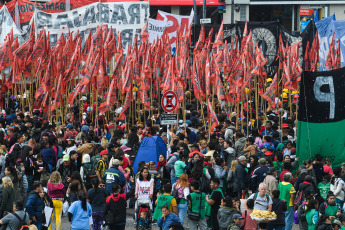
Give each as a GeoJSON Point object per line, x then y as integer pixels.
{"type": "Point", "coordinates": [324, 189]}
{"type": "Point", "coordinates": [309, 217]}
{"type": "Point", "coordinates": [161, 201]}
{"type": "Point", "coordinates": [195, 201]}
{"type": "Point", "coordinates": [285, 192]}
{"type": "Point", "coordinates": [179, 168]}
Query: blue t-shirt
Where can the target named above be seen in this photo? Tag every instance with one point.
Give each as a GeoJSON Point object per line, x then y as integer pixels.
{"type": "Point", "coordinates": [81, 217]}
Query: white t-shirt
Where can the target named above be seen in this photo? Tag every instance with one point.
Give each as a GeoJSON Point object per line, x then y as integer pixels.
{"type": "Point", "coordinates": [261, 203]}
{"type": "Point", "coordinates": [144, 189]}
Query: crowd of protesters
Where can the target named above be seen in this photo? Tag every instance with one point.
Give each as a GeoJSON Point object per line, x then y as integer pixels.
{"type": "Point", "coordinates": [207, 179]}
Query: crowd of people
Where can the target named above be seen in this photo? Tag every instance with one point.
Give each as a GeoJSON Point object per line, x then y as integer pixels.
{"type": "Point", "coordinates": [207, 179]}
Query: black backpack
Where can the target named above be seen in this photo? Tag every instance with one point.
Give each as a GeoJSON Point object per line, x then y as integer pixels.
{"type": "Point", "coordinates": [90, 174]}
{"type": "Point", "coordinates": [23, 225]}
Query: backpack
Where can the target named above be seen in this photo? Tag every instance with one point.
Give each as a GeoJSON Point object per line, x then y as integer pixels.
{"type": "Point", "coordinates": [256, 196]}
{"type": "Point", "coordinates": [23, 225]}
{"type": "Point", "coordinates": [299, 198]}
{"type": "Point", "coordinates": [89, 175]}
{"type": "Point", "coordinates": [205, 185]}
{"type": "Point", "coordinates": [95, 159]}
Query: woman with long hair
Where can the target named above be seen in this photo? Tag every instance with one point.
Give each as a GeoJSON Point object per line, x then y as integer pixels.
{"type": "Point", "coordinates": [79, 213]}
{"type": "Point", "coordinates": [29, 164]}
{"type": "Point", "coordinates": [12, 173]}
{"type": "Point", "coordinates": [181, 189]}
{"type": "Point", "coordinates": [231, 179]}
{"type": "Point", "coordinates": [161, 168]}
{"type": "Point", "coordinates": [56, 191]}
{"type": "Point", "coordinates": [77, 177]}
{"type": "Point", "coordinates": [96, 196]}
{"type": "Point", "coordinates": [144, 185]}
{"type": "Point", "coordinates": [7, 196]}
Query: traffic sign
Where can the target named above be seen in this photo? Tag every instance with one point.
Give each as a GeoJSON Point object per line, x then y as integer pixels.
{"type": "Point", "coordinates": [169, 101]}
{"type": "Point", "coordinates": [168, 119]}
{"type": "Point", "coordinates": [205, 20]}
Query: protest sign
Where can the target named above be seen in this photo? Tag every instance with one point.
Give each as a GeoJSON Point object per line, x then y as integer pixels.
{"type": "Point", "coordinates": [173, 23]}
{"type": "Point", "coordinates": [156, 29]}
{"type": "Point", "coordinates": [128, 18]}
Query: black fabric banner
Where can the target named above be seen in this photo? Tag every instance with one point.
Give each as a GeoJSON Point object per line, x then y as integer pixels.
{"type": "Point", "coordinates": [322, 97]}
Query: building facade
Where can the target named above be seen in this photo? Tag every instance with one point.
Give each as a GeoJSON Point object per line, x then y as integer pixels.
{"type": "Point", "coordinates": [292, 14]}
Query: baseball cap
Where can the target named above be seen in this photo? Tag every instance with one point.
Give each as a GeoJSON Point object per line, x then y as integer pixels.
{"type": "Point", "coordinates": [285, 126]}
{"type": "Point", "coordinates": [69, 126]}
{"type": "Point", "coordinates": [104, 152]}
{"type": "Point", "coordinates": [262, 161]}
{"type": "Point", "coordinates": [268, 153]}
{"type": "Point", "coordinates": [242, 158]}
{"type": "Point", "coordinates": [125, 148]}
{"type": "Point", "coordinates": [237, 216]}
{"type": "Point", "coordinates": [65, 158]}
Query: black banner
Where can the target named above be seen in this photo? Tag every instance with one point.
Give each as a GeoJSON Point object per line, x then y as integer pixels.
{"type": "Point", "coordinates": [322, 97]}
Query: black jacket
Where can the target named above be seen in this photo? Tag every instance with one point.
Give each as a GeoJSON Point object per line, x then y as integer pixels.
{"type": "Point", "coordinates": [116, 205]}
{"type": "Point", "coordinates": [242, 177]}
{"type": "Point", "coordinates": [307, 189]}
{"type": "Point", "coordinates": [279, 207]}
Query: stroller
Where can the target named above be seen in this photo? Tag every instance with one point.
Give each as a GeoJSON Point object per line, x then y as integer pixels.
{"type": "Point", "coordinates": [143, 205]}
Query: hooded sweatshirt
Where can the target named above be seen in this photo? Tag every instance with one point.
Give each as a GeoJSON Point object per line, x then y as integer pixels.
{"type": "Point", "coordinates": [239, 145]}
{"type": "Point", "coordinates": [224, 216]}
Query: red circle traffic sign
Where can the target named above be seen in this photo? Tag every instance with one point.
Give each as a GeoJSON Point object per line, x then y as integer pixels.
{"type": "Point", "coordinates": [169, 101]}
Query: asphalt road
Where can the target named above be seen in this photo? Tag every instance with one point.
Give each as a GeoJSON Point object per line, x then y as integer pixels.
{"type": "Point", "coordinates": [66, 225]}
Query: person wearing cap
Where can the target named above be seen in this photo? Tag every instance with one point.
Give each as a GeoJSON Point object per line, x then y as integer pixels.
{"type": "Point", "coordinates": [69, 132]}
{"type": "Point", "coordinates": [126, 162]}
{"type": "Point", "coordinates": [102, 165]}
{"type": "Point", "coordinates": [287, 193]}
{"type": "Point", "coordinates": [271, 180]}
{"type": "Point", "coordinates": [242, 177]}
{"type": "Point", "coordinates": [66, 169]}
{"type": "Point", "coordinates": [259, 174]}
{"type": "Point", "coordinates": [236, 222]}
{"type": "Point", "coordinates": [114, 175]}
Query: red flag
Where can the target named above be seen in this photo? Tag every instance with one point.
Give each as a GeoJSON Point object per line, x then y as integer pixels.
{"type": "Point", "coordinates": [330, 57]}
{"type": "Point", "coordinates": [111, 98]}
{"type": "Point", "coordinates": [6, 56]}
{"type": "Point", "coordinates": [337, 57]}
{"type": "Point", "coordinates": [144, 34]}
{"type": "Point", "coordinates": [128, 101]}
{"type": "Point", "coordinates": [272, 92]}
{"type": "Point", "coordinates": [73, 67]}
{"type": "Point", "coordinates": [218, 41]}
{"type": "Point", "coordinates": [212, 116]}
{"type": "Point", "coordinates": [20, 57]}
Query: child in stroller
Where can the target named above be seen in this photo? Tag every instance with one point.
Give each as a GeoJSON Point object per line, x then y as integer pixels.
{"type": "Point", "coordinates": [143, 214]}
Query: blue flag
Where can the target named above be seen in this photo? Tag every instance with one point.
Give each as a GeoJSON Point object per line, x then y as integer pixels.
{"type": "Point", "coordinates": [325, 29]}
{"type": "Point", "coordinates": [316, 16]}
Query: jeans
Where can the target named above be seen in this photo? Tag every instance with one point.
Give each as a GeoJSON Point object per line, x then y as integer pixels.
{"type": "Point", "coordinates": [275, 226]}
{"type": "Point", "coordinates": [173, 180]}
{"type": "Point", "coordinates": [38, 224]}
{"type": "Point", "coordinates": [289, 218]}
{"type": "Point", "coordinates": [193, 225]}
{"type": "Point", "coordinates": [182, 211]}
